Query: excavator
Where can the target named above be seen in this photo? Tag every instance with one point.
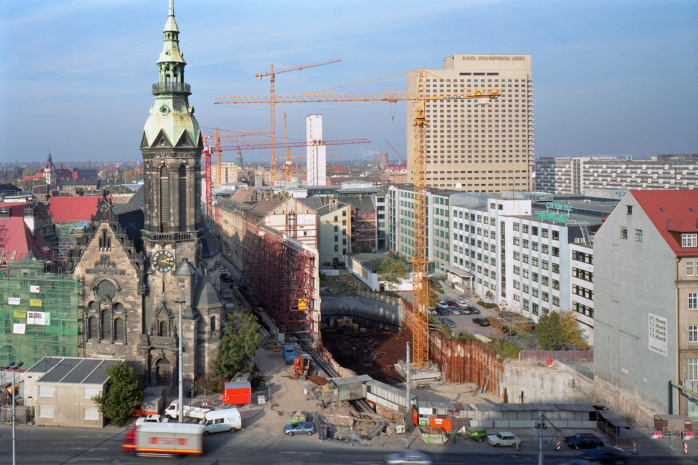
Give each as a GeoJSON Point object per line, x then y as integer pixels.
{"type": "Point", "coordinates": [301, 365]}
{"type": "Point", "coordinates": [6, 393]}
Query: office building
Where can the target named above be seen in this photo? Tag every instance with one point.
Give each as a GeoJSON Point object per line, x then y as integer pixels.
{"type": "Point", "coordinates": [316, 153]}
{"type": "Point", "coordinates": [477, 145]}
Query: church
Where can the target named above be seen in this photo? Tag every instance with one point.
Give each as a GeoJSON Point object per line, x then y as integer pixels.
{"type": "Point", "coordinates": [142, 263]}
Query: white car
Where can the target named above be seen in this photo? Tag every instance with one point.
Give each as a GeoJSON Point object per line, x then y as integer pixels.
{"type": "Point", "coordinates": [463, 303]}
{"type": "Point", "coordinates": [442, 304]}
{"type": "Point", "coordinates": [412, 457]}
{"type": "Point", "coordinates": [504, 439]}
{"type": "Point", "coordinates": [152, 418]}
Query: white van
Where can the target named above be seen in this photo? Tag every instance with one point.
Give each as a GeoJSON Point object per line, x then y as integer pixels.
{"type": "Point", "coordinates": [218, 421]}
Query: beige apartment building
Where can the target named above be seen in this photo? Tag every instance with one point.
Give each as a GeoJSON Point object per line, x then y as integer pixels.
{"type": "Point", "coordinates": [477, 145]}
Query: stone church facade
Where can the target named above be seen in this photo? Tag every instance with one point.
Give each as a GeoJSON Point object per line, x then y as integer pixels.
{"type": "Point", "coordinates": [140, 265]}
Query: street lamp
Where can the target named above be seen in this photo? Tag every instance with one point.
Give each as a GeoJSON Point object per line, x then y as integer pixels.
{"type": "Point", "coordinates": [14, 367]}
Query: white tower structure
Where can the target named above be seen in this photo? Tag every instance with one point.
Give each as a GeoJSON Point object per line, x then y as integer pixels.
{"type": "Point", "coordinates": [317, 153]}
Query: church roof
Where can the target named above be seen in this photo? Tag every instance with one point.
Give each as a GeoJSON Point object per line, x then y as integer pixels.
{"type": "Point", "coordinates": [207, 295]}
{"type": "Point", "coordinates": [72, 209]}
{"type": "Point", "coordinates": [17, 241]}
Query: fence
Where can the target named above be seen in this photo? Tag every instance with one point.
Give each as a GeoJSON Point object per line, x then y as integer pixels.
{"type": "Point", "coordinates": [562, 355]}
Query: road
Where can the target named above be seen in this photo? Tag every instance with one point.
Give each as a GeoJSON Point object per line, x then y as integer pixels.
{"type": "Point", "coordinates": [42, 445]}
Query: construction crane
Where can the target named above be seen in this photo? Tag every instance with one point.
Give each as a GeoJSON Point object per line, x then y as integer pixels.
{"type": "Point", "coordinates": [272, 78]}
{"type": "Point", "coordinates": [420, 263]}
{"type": "Point", "coordinates": [395, 150]}
{"type": "Point", "coordinates": [287, 163]}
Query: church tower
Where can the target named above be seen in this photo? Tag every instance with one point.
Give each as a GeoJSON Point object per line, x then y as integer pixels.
{"type": "Point", "coordinates": [172, 231]}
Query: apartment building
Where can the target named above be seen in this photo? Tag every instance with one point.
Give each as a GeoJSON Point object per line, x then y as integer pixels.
{"type": "Point", "coordinates": [477, 145]}
{"type": "Point", "coordinates": [646, 299]}
{"type": "Point", "coordinates": [581, 174]}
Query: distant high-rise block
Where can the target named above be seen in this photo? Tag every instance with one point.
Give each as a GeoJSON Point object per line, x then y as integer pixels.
{"type": "Point", "coordinates": [317, 154]}
{"type": "Point", "coordinates": [477, 145]}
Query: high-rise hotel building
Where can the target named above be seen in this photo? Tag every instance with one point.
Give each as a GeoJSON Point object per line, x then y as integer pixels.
{"type": "Point", "coordinates": [477, 145]}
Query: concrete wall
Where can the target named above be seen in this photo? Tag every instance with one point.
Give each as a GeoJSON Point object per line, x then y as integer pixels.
{"type": "Point", "coordinates": [376, 309]}
{"type": "Point", "coordinates": [634, 280]}
{"type": "Point", "coordinates": [69, 405]}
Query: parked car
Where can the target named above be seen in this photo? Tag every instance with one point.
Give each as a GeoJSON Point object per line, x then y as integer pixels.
{"type": "Point", "coordinates": [504, 439]}
{"type": "Point", "coordinates": [442, 304]}
{"type": "Point", "coordinates": [442, 311]}
{"type": "Point", "coordinates": [454, 311]}
{"type": "Point", "coordinates": [606, 455]}
{"type": "Point", "coordinates": [152, 418]}
{"type": "Point", "coordinates": [481, 321]}
{"type": "Point", "coordinates": [339, 265]}
{"type": "Point", "coordinates": [449, 322]}
{"type": "Point", "coordinates": [583, 441]}
{"type": "Point", "coordinates": [302, 427]}
{"type": "Point", "coordinates": [452, 304]}
{"type": "Point", "coordinates": [465, 310]}
{"type": "Point", "coordinates": [463, 303]}
{"type": "Point", "coordinates": [474, 310]}
{"type": "Point", "coordinates": [408, 457]}
{"type": "Point", "coordinates": [228, 279]}
{"type": "Point", "coordinates": [432, 310]}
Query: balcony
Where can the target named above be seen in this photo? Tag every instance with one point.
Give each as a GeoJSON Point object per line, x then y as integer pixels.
{"type": "Point", "coordinates": [180, 87]}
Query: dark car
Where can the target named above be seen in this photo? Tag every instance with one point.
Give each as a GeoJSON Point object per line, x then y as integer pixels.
{"type": "Point", "coordinates": [448, 322]}
{"type": "Point", "coordinates": [606, 455]}
{"type": "Point", "coordinates": [481, 321]}
{"type": "Point", "coordinates": [583, 441]}
{"type": "Point", "coordinates": [465, 311]}
{"type": "Point", "coordinates": [339, 265]}
{"type": "Point", "coordinates": [474, 310]}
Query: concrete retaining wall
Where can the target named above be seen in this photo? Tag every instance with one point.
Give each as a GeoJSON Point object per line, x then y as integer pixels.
{"type": "Point", "coordinates": [373, 308]}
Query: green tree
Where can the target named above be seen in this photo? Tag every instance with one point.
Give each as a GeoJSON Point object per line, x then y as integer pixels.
{"type": "Point", "coordinates": [560, 331]}
{"type": "Point", "coordinates": [120, 396]}
{"type": "Point", "coordinates": [237, 347]}
{"type": "Point", "coordinates": [391, 271]}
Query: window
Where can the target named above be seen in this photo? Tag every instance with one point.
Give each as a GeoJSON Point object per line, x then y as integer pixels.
{"type": "Point", "coordinates": [693, 300]}
{"type": "Point", "coordinates": [91, 413]}
{"type": "Point", "coordinates": [90, 392]}
{"type": "Point", "coordinates": [689, 240]}
{"type": "Point", "coordinates": [45, 411]}
{"type": "Point", "coordinates": [623, 232]}
{"type": "Point", "coordinates": [46, 391]}
{"type": "Point", "coordinates": [638, 235]}
{"type": "Point", "coordinates": [690, 268]}
{"type": "Point", "coordinates": [693, 369]}
{"type": "Point", "coordinates": [556, 284]}
{"type": "Point", "coordinates": [525, 288]}
{"type": "Point", "coordinates": [693, 333]}
{"type": "Point", "coordinates": [629, 210]}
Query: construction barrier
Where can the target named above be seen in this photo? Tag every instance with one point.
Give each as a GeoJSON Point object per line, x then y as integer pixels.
{"type": "Point", "coordinates": [688, 436]}
{"type": "Point", "coordinates": [685, 448]}
{"type": "Point", "coordinates": [558, 446]}
{"type": "Point", "coordinates": [655, 435]}
{"type": "Point", "coordinates": [634, 447]}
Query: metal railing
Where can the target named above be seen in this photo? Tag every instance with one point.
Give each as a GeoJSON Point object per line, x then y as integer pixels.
{"type": "Point", "coordinates": [171, 87]}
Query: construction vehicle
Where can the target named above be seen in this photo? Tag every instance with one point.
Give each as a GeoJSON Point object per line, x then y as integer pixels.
{"type": "Point", "coordinates": [6, 393]}
{"type": "Point", "coordinates": [301, 365]}
{"type": "Point", "coordinates": [165, 439]}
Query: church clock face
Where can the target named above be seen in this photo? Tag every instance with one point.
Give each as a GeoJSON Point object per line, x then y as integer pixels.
{"type": "Point", "coordinates": [163, 261]}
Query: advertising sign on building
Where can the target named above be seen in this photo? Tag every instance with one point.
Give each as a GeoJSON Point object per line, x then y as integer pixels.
{"type": "Point", "coordinates": [37, 318]}
{"type": "Point", "coordinates": [18, 328]}
{"type": "Point", "coordinates": [34, 289]}
{"type": "Point", "coordinates": [20, 314]}
{"type": "Point", "coordinates": [13, 300]}
{"type": "Point", "coordinates": [657, 334]}
{"type": "Point", "coordinates": [35, 302]}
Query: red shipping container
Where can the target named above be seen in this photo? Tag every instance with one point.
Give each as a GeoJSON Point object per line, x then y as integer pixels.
{"type": "Point", "coordinates": [441, 421]}
{"type": "Point", "coordinates": [237, 393]}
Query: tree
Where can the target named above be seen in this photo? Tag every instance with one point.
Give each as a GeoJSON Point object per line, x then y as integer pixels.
{"type": "Point", "coordinates": [390, 270]}
{"type": "Point", "coordinates": [560, 331]}
{"type": "Point", "coordinates": [237, 347]}
{"type": "Point", "coordinates": [120, 396]}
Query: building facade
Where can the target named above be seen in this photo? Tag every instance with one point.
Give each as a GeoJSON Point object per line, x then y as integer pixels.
{"type": "Point", "coordinates": [477, 145]}
{"type": "Point", "coordinates": [581, 174]}
{"type": "Point", "coordinates": [316, 153]}
{"type": "Point", "coordinates": [646, 299]}
{"type": "Point", "coordinates": [334, 231]}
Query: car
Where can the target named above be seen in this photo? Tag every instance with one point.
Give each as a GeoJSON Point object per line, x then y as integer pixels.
{"type": "Point", "coordinates": [339, 265]}
{"type": "Point", "coordinates": [442, 304]}
{"type": "Point", "coordinates": [302, 427]}
{"type": "Point", "coordinates": [454, 311]}
{"type": "Point", "coordinates": [408, 457]}
{"type": "Point", "coordinates": [452, 304]}
{"type": "Point", "coordinates": [463, 303]}
{"type": "Point", "coordinates": [474, 310]}
{"type": "Point", "coordinates": [449, 322]}
{"type": "Point", "coordinates": [583, 441]}
{"type": "Point", "coordinates": [465, 310]}
{"type": "Point", "coordinates": [152, 418]}
{"type": "Point", "coordinates": [481, 321]}
{"type": "Point", "coordinates": [606, 455]}
{"type": "Point", "coordinates": [228, 279]}
{"type": "Point", "coordinates": [442, 311]}
{"type": "Point", "coordinates": [504, 439]}
{"type": "Point", "coordinates": [432, 310]}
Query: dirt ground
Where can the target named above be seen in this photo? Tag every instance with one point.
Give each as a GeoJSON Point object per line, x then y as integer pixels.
{"type": "Point", "coordinates": [372, 353]}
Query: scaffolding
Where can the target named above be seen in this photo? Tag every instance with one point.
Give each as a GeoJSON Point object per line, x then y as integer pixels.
{"type": "Point", "coordinates": [38, 313]}
{"type": "Point", "coordinates": [280, 273]}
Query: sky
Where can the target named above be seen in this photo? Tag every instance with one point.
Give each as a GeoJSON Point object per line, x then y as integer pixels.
{"type": "Point", "coordinates": [611, 77]}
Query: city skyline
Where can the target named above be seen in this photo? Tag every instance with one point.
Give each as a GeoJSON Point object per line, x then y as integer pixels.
{"type": "Point", "coordinates": [609, 78]}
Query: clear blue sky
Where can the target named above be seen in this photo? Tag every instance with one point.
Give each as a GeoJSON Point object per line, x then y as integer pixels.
{"type": "Point", "coordinates": [611, 77]}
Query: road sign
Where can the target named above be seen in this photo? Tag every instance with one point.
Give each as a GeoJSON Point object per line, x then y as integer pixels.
{"type": "Point", "coordinates": [302, 304]}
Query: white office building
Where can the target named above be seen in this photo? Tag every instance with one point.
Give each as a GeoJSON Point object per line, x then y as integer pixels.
{"type": "Point", "coordinates": [317, 153]}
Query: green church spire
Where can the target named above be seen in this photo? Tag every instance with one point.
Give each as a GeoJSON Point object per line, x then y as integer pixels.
{"type": "Point", "coordinates": [171, 113]}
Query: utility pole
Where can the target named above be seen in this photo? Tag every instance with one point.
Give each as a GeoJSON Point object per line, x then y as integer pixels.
{"type": "Point", "coordinates": [540, 437]}
{"type": "Point", "coordinates": [407, 368]}
{"type": "Point", "coordinates": [181, 369]}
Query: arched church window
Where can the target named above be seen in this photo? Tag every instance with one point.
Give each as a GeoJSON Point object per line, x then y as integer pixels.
{"type": "Point", "coordinates": [213, 323]}
{"type": "Point", "coordinates": [106, 289]}
{"type": "Point", "coordinates": [119, 330]}
{"type": "Point", "coordinates": [162, 329]}
{"type": "Point", "coordinates": [183, 198]}
{"type": "Point", "coordinates": [164, 200]}
{"type": "Point", "coordinates": [106, 325]}
{"type": "Point", "coordinates": [92, 328]}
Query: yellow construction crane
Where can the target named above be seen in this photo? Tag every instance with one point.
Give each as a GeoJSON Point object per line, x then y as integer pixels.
{"type": "Point", "coordinates": [272, 78]}
{"type": "Point", "coordinates": [420, 263]}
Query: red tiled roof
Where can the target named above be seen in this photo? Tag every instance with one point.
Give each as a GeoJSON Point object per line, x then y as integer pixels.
{"type": "Point", "coordinates": [672, 212]}
{"type": "Point", "coordinates": [16, 241]}
{"type": "Point", "coordinates": [70, 209]}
